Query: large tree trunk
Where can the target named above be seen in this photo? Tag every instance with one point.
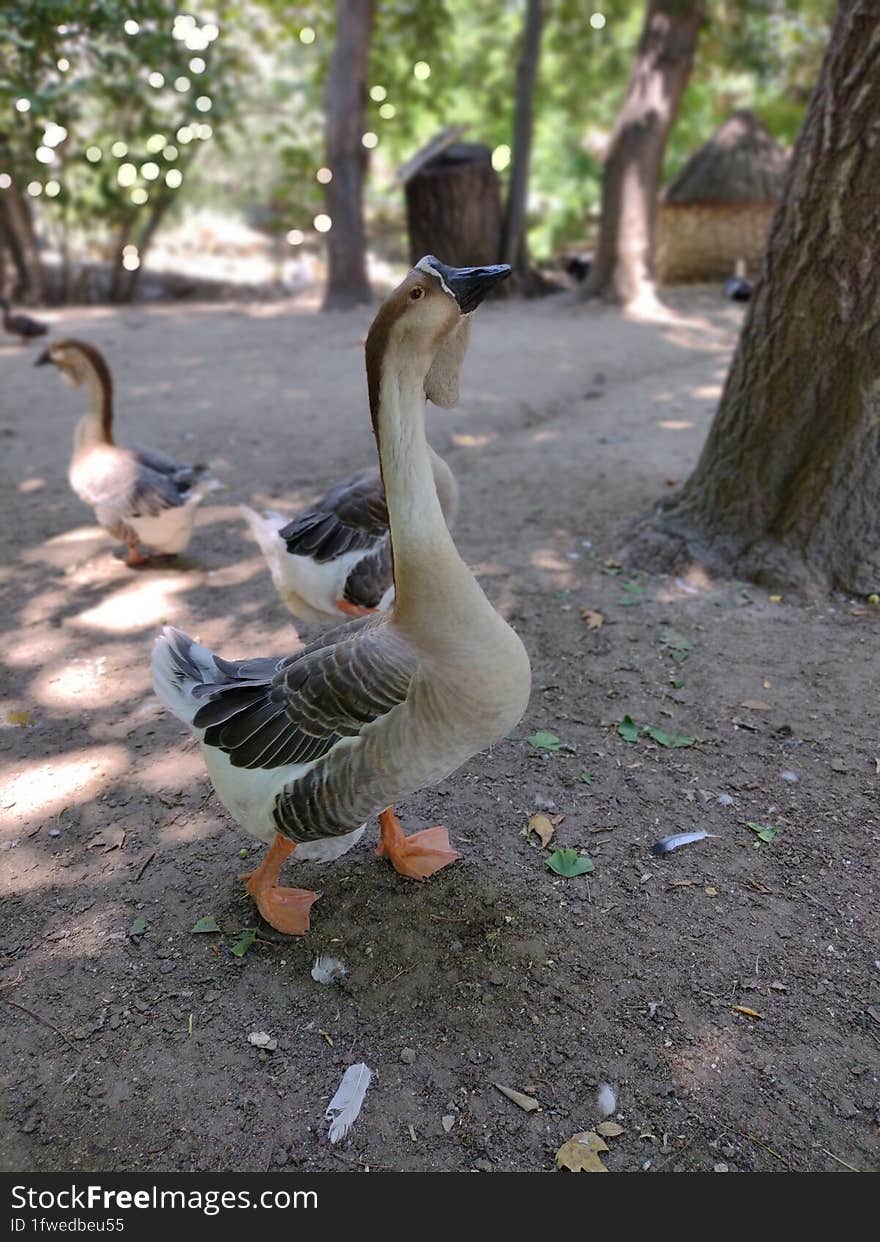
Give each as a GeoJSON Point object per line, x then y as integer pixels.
{"type": "Point", "coordinates": [623, 269]}
{"type": "Point", "coordinates": [347, 282]}
{"type": "Point", "coordinates": [453, 207]}
{"type": "Point", "coordinates": [787, 489]}
{"type": "Point", "coordinates": [513, 245]}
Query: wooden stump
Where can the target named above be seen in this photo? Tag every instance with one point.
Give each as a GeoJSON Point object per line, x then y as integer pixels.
{"type": "Point", "coordinates": [453, 207]}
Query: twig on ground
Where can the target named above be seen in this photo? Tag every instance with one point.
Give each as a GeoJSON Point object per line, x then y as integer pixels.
{"type": "Point", "coordinates": [39, 1018]}
{"type": "Point", "coordinates": [839, 1161]}
{"type": "Point", "coordinates": [753, 1139]}
{"type": "Point", "coordinates": [144, 867]}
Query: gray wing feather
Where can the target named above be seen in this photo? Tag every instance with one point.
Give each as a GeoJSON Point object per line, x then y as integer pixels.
{"type": "Point", "coordinates": [297, 713]}
{"type": "Point", "coordinates": [353, 515]}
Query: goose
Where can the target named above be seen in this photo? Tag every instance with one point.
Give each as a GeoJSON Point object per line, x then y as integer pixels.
{"type": "Point", "coordinates": [335, 558]}
{"type": "Point", "coordinates": [737, 288]}
{"type": "Point", "coordinates": [139, 496]}
{"type": "Point", "coordinates": [22, 326]}
{"type": "Point", "coordinates": [302, 750]}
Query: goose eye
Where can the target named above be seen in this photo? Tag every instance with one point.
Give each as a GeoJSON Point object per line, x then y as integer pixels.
{"type": "Point", "coordinates": [416, 293]}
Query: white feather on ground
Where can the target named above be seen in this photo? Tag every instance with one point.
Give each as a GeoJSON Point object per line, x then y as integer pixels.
{"type": "Point", "coordinates": [606, 1099]}
{"type": "Point", "coordinates": [328, 969]}
{"type": "Point", "coordinates": [342, 1111]}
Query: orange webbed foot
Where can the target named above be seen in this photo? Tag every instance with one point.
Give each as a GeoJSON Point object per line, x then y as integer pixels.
{"type": "Point", "coordinates": [285, 909]}
{"type": "Point", "coordinates": [135, 557]}
{"type": "Point", "coordinates": [418, 855]}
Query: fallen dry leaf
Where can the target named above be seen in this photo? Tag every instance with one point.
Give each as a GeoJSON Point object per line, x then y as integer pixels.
{"type": "Point", "coordinates": [750, 1013]}
{"type": "Point", "coordinates": [581, 1153]}
{"type": "Point", "coordinates": [755, 705]}
{"type": "Point", "coordinates": [542, 827]}
{"type": "Point", "coordinates": [526, 1102]}
{"type": "Point", "coordinates": [594, 620]}
{"type": "Point", "coordinates": [21, 718]}
{"type": "Point", "coordinates": [609, 1129]}
{"type": "Point", "coordinates": [710, 891]}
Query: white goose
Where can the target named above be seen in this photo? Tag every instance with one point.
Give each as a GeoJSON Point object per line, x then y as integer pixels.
{"type": "Point", "coordinates": [302, 750]}
{"type": "Point", "coordinates": [139, 496]}
{"type": "Point", "coordinates": [334, 559]}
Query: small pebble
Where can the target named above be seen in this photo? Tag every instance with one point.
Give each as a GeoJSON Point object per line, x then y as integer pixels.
{"type": "Point", "coordinates": [725, 799]}
{"type": "Point", "coordinates": [544, 804]}
{"type": "Point", "coordinates": [407, 1055]}
{"type": "Point", "coordinates": [54, 832]}
{"type": "Point", "coordinates": [721, 1168]}
{"type": "Point", "coordinates": [791, 777]}
{"type": "Point", "coordinates": [447, 1122]}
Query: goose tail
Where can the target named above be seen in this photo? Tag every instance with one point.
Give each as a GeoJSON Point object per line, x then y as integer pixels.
{"type": "Point", "coordinates": [180, 665]}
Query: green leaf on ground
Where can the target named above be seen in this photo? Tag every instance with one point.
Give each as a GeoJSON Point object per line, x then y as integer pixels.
{"type": "Point", "coordinates": [677, 645]}
{"type": "Point", "coordinates": [676, 683]}
{"type": "Point", "coordinates": [570, 863]}
{"type": "Point", "coordinates": [545, 741]}
{"type": "Point", "coordinates": [764, 832]}
{"type": "Point", "coordinates": [244, 942]}
{"type": "Point", "coordinates": [662, 738]}
{"type": "Point", "coordinates": [587, 778]}
{"type": "Point", "coordinates": [628, 729]}
{"type": "Point", "coordinates": [206, 924]}
{"type": "Point", "coordinates": [138, 927]}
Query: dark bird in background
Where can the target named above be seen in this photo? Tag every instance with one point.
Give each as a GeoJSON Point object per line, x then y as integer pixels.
{"type": "Point", "coordinates": [578, 265]}
{"type": "Point", "coordinates": [22, 326]}
{"type": "Point", "coordinates": [737, 288]}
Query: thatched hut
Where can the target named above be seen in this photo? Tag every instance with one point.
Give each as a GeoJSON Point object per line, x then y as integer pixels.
{"type": "Point", "coordinates": [719, 207]}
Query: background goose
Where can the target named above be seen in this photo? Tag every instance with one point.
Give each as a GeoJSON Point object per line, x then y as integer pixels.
{"type": "Point", "coordinates": [138, 495]}
{"type": "Point", "coordinates": [22, 326]}
{"type": "Point", "coordinates": [301, 750]}
{"type": "Point", "coordinates": [335, 558]}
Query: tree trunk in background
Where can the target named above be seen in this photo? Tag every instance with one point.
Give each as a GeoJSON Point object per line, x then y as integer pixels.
{"type": "Point", "coordinates": [623, 268]}
{"type": "Point", "coordinates": [347, 282]}
{"type": "Point", "coordinates": [787, 490]}
{"type": "Point", "coordinates": [453, 207]}
{"type": "Point", "coordinates": [513, 245]}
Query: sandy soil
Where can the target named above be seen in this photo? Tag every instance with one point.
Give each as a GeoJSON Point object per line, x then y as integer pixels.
{"type": "Point", "coordinates": [131, 1052]}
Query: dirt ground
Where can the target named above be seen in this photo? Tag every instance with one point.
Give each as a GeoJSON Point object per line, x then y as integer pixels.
{"type": "Point", "coordinates": [729, 992]}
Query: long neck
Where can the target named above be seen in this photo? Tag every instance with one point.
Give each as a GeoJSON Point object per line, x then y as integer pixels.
{"type": "Point", "coordinates": [96, 427]}
{"type": "Point", "coordinates": [426, 563]}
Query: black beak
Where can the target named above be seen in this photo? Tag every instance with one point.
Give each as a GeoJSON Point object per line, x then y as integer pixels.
{"type": "Point", "coordinates": [44, 358]}
{"type": "Point", "coordinates": [468, 285]}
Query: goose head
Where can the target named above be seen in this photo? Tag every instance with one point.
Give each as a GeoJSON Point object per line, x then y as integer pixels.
{"type": "Point", "coordinates": [77, 361]}
{"type": "Point", "coordinates": [427, 320]}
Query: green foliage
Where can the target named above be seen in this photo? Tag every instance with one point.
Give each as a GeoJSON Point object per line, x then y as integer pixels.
{"type": "Point", "coordinates": [88, 91]}
{"type": "Point", "coordinates": [266, 76]}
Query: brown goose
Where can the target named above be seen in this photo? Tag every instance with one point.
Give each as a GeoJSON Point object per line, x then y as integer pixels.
{"type": "Point", "coordinates": [334, 559]}
{"type": "Point", "coordinates": [302, 750]}
{"type": "Point", "coordinates": [22, 326]}
{"type": "Point", "coordinates": [139, 496]}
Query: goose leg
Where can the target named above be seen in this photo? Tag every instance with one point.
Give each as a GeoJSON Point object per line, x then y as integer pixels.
{"type": "Point", "coordinates": [285, 909]}
{"type": "Point", "coordinates": [134, 556]}
{"type": "Point", "coordinates": [354, 610]}
{"type": "Point", "coordinates": [418, 855]}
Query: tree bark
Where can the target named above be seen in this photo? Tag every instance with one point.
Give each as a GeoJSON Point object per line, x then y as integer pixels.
{"type": "Point", "coordinates": [623, 268]}
{"type": "Point", "coordinates": [453, 208]}
{"type": "Point", "coordinates": [513, 245]}
{"type": "Point", "coordinates": [347, 282]}
{"type": "Point", "coordinates": [787, 489]}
